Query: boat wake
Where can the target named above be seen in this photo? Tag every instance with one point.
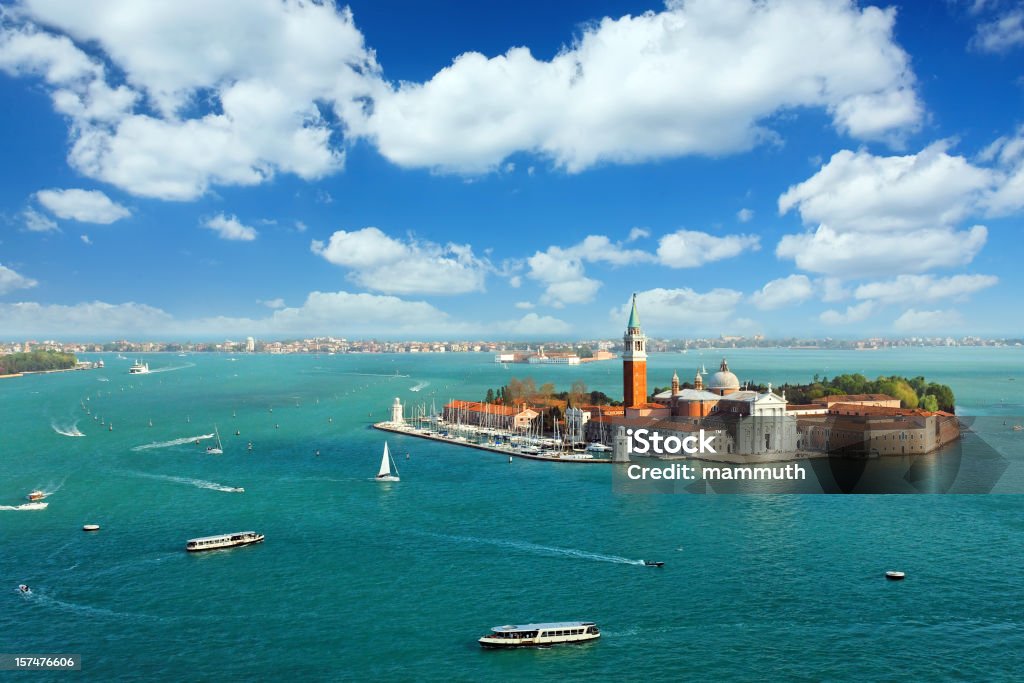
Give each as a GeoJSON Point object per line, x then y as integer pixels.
{"type": "Point", "coordinates": [173, 442]}
{"type": "Point", "coordinates": [544, 549]}
{"type": "Point", "coordinates": [198, 483]}
{"type": "Point", "coordinates": [421, 385]}
{"type": "Point", "coordinates": [65, 429]}
{"type": "Point", "coordinates": [102, 379]}
{"type": "Point", "coordinates": [48, 601]}
{"type": "Point", "coordinates": [38, 505]}
{"type": "Point", "coordinates": [172, 368]}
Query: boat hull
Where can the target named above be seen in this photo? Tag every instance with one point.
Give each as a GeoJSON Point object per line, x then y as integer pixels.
{"type": "Point", "coordinates": [236, 544]}
{"type": "Point", "coordinates": [388, 478]}
{"type": "Point", "coordinates": [493, 644]}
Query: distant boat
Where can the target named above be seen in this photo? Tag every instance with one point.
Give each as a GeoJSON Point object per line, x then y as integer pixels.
{"type": "Point", "coordinates": [895, 576]}
{"type": "Point", "coordinates": [653, 563]}
{"type": "Point", "coordinates": [24, 589]}
{"type": "Point", "coordinates": [138, 368]}
{"type": "Point", "coordinates": [36, 495]}
{"type": "Point", "coordinates": [385, 467]}
{"type": "Point", "coordinates": [218, 449]}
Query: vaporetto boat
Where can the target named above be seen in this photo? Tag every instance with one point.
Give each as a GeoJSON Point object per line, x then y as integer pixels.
{"type": "Point", "coordinates": [223, 541]}
{"type": "Point", "coordinates": [539, 635]}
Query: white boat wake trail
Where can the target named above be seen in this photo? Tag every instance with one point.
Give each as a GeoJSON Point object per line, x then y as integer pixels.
{"type": "Point", "coordinates": [46, 600]}
{"type": "Point", "coordinates": [173, 442]}
{"type": "Point", "coordinates": [421, 385]}
{"type": "Point", "coordinates": [172, 368]}
{"type": "Point", "coordinates": [198, 483]}
{"type": "Point", "coordinates": [64, 429]}
{"type": "Point", "coordinates": [543, 549]}
{"type": "Point", "coordinates": [38, 505]}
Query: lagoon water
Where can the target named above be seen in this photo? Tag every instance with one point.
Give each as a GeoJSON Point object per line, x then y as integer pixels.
{"type": "Point", "coordinates": [359, 580]}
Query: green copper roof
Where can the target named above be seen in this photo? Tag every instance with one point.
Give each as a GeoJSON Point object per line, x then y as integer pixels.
{"type": "Point", "coordinates": [634, 318]}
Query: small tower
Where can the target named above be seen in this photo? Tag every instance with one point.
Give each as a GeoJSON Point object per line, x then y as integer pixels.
{"type": "Point", "coordinates": [634, 361]}
{"type": "Point", "coordinates": [396, 411]}
{"type": "Point", "coordinates": [675, 383]}
{"type": "Point", "coordinates": [698, 382]}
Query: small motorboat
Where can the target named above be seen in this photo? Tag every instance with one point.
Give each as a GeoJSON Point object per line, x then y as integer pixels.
{"type": "Point", "coordinates": [90, 527]}
{"type": "Point", "coordinates": [653, 563]}
{"type": "Point", "coordinates": [36, 495]}
{"type": "Point", "coordinates": [895, 576]}
{"type": "Point", "coordinates": [24, 589]}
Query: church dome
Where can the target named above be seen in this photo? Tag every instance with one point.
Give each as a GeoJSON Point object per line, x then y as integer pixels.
{"type": "Point", "coordinates": [723, 379]}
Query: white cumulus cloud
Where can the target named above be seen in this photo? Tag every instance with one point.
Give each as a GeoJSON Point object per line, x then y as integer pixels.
{"type": "Point", "coordinates": [230, 228]}
{"type": "Point", "coordinates": [699, 77]}
{"type": "Point", "coordinates": [395, 266]}
{"type": "Point", "coordinates": [682, 311]}
{"type": "Point", "coordinates": [853, 314]}
{"type": "Point", "coordinates": [910, 288]}
{"type": "Point", "coordinates": [10, 280]}
{"type": "Point", "coordinates": [85, 206]}
{"type": "Point", "coordinates": [870, 215]}
{"type": "Point", "coordinates": [784, 291]}
{"type": "Point", "coordinates": [37, 222]}
{"type": "Point", "coordinates": [940, 321]}
{"type": "Point", "coordinates": [690, 248]}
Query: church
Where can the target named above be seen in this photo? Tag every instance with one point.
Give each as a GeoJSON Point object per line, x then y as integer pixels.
{"type": "Point", "coordinates": [720, 404]}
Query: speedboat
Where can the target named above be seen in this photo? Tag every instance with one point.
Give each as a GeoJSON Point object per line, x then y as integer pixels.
{"type": "Point", "coordinates": [24, 589]}
{"type": "Point", "coordinates": [653, 563]}
{"type": "Point", "coordinates": [36, 495]}
{"type": "Point", "coordinates": [895, 576]}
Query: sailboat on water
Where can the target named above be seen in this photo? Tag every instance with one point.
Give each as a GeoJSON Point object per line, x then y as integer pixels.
{"type": "Point", "coordinates": [219, 448]}
{"type": "Point", "coordinates": [386, 465]}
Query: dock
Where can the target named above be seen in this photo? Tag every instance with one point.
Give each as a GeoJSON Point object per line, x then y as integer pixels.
{"type": "Point", "coordinates": [407, 430]}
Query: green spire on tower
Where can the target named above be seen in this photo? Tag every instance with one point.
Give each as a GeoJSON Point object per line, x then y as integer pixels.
{"type": "Point", "coordinates": [634, 317]}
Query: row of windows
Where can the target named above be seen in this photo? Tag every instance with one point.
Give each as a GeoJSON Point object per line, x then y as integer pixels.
{"type": "Point", "coordinates": [568, 632]}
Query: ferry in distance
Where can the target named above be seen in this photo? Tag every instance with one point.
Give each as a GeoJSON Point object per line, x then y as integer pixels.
{"type": "Point", "coordinates": [540, 635]}
{"type": "Point", "coordinates": [138, 368]}
{"type": "Point", "coordinates": [223, 541]}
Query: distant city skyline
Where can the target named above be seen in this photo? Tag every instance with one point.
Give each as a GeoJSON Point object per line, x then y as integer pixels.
{"type": "Point", "coordinates": [437, 171]}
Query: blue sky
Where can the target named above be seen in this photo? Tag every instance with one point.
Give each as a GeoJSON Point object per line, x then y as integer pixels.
{"type": "Point", "coordinates": [444, 170]}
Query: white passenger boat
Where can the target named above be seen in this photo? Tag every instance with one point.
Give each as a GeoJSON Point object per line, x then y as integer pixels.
{"type": "Point", "coordinates": [223, 541]}
{"type": "Point", "coordinates": [138, 368]}
{"type": "Point", "coordinates": [539, 635]}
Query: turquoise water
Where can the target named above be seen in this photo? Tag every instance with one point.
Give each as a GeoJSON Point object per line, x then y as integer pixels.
{"type": "Point", "coordinates": [359, 580]}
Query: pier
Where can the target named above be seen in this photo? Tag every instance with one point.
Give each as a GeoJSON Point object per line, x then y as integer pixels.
{"type": "Point", "coordinates": [408, 430]}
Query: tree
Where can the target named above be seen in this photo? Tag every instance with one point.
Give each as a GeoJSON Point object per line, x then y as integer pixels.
{"type": "Point", "coordinates": [490, 396]}
{"type": "Point", "coordinates": [930, 403]}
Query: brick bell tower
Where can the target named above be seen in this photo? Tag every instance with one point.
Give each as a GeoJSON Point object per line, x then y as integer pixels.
{"type": "Point", "coordinates": [634, 362]}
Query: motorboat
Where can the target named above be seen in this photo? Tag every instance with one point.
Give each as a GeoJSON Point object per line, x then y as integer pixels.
{"type": "Point", "coordinates": [895, 576]}
{"type": "Point", "coordinates": [653, 563]}
{"type": "Point", "coordinates": [24, 589]}
{"type": "Point", "coordinates": [36, 495]}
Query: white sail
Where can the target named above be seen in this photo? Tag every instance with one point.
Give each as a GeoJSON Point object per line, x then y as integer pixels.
{"type": "Point", "coordinates": [385, 463]}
